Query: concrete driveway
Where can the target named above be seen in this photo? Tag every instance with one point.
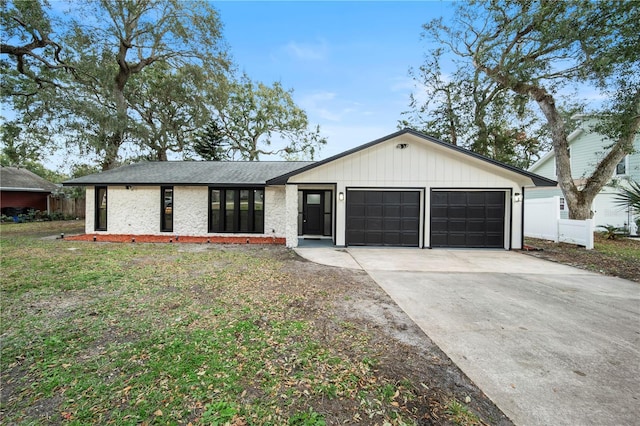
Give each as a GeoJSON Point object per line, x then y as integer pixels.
{"type": "Point", "coordinates": [548, 343]}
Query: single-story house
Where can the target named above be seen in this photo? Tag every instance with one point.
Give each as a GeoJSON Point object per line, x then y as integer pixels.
{"type": "Point", "coordinates": [22, 190]}
{"type": "Point", "coordinates": [404, 189]}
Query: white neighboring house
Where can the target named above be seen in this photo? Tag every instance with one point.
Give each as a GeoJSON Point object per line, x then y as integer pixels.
{"type": "Point", "coordinates": [405, 189]}
{"type": "Point", "coordinates": [586, 149]}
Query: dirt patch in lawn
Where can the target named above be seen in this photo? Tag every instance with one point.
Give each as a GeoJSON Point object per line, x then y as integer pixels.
{"type": "Point", "coordinates": [359, 358]}
{"type": "Point", "coordinates": [349, 307]}
{"type": "Point", "coordinates": [618, 258]}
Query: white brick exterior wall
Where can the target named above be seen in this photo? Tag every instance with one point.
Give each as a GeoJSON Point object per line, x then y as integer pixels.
{"type": "Point", "coordinates": [137, 211]}
{"type": "Point", "coordinates": [90, 210]}
{"type": "Point", "coordinates": [274, 217]}
{"type": "Point", "coordinates": [291, 215]}
{"type": "Point", "coordinates": [190, 210]}
{"type": "Point", "coordinates": [133, 211]}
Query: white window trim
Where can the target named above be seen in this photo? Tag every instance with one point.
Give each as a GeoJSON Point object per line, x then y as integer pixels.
{"type": "Point", "coordinates": [626, 167]}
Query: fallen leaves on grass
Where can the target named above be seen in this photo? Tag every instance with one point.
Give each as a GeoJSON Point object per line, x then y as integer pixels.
{"type": "Point", "coordinates": [142, 333]}
{"type": "Point", "coordinates": [619, 258]}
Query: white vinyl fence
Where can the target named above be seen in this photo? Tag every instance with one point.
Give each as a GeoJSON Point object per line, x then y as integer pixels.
{"type": "Point", "coordinates": [542, 220]}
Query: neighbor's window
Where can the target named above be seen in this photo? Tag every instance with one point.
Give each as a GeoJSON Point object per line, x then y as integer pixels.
{"type": "Point", "coordinates": [101, 208]}
{"type": "Point", "coordinates": [166, 213]}
{"type": "Point", "coordinates": [621, 168]}
{"type": "Point", "coordinates": [562, 204]}
{"type": "Point", "coordinates": [237, 210]}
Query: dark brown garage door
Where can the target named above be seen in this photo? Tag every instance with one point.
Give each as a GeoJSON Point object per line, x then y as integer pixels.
{"type": "Point", "coordinates": [383, 218]}
{"type": "Point", "coordinates": [467, 219]}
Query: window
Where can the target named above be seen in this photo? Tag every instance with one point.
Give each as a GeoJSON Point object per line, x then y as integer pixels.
{"type": "Point", "coordinates": [101, 208]}
{"type": "Point", "coordinates": [621, 168]}
{"type": "Point", "coordinates": [562, 204]}
{"type": "Point", "coordinates": [236, 210]}
{"type": "Point", "coordinates": [166, 209]}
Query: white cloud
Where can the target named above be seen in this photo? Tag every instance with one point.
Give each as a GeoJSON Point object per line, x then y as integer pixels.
{"type": "Point", "coordinates": [318, 104]}
{"type": "Point", "coordinates": [308, 51]}
{"type": "Point", "coordinates": [402, 84]}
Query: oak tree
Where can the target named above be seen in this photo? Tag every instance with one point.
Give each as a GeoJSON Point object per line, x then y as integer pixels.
{"type": "Point", "coordinates": [255, 119]}
{"type": "Point", "coordinates": [541, 49]}
{"type": "Point", "coordinates": [108, 44]}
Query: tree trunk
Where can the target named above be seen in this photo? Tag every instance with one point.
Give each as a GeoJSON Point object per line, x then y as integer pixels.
{"type": "Point", "coordinates": [581, 210]}
{"type": "Point", "coordinates": [453, 135]}
{"type": "Point", "coordinates": [161, 154]}
{"type": "Point", "coordinates": [111, 148]}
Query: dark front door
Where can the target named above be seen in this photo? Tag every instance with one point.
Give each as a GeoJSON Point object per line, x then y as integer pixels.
{"type": "Point", "coordinates": [467, 219]}
{"type": "Point", "coordinates": [313, 217]}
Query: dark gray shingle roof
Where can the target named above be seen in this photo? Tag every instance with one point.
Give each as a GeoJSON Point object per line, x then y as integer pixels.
{"type": "Point", "coordinates": [19, 179]}
{"type": "Point", "coordinates": [192, 173]}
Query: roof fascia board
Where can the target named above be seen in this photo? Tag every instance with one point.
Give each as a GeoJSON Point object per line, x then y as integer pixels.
{"type": "Point", "coordinates": [17, 189]}
{"type": "Point", "coordinates": [213, 184]}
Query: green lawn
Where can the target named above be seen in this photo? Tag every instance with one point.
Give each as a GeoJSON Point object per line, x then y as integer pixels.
{"type": "Point", "coordinates": [98, 333]}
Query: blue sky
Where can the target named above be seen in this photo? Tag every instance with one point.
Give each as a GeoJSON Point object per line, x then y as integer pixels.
{"type": "Point", "coordinates": [347, 62]}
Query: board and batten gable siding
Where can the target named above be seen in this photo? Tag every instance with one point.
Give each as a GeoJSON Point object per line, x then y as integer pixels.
{"type": "Point", "coordinates": [137, 211]}
{"type": "Point", "coordinates": [422, 165]}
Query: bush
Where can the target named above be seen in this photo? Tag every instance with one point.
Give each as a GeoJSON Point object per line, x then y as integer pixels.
{"type": "Point", "coordinates": [611, 232]}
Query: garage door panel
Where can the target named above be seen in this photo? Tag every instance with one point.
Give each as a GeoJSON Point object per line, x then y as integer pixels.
{"type": "Point", "coordinates": [476, 198]}
{"type": "Point", "coordinates": [495, 241]}
{"type": "Point", "coordinates": [392, 225]}
{"type": "Point", "coordinates": [438, 211]}
{"type": "Point", "coordinates": [374, 210]}
{"type": "Point", "coordinates": [373, 238]}
{"type": "Point", "coordinates": [439, 199]}
{"type": "Point", "coordinates": [356, 223]}
{"type": "Point", "coordinates": [496, 212]}
{"type": "Point", "coordinates": [391, 197]}
{"type": "Point", "coordinates": [356, 210]}
{"type": "Point", "coordinates": [356, 198]}
{"type": "Point", "coordinates": [457, 239]}
{"type": "Point", "coordinates": [410, 224]}
{"type": "Point", "coordinates": [373, 223]}
{"type": "Point", "coordinates": [410, 211]}
{"type": "Point", "coordinates": [495, 197]}
{"type": "Point", "coordinates": [467, 219]}
{"type": "Point", "coordinates": [392, 239]}
{"type": "Point", "coordinates": [457, 226]}
{"type": "Point", "coordinates": [409, 198]}
{"type": "Point", "coordinates": [457, 212]}
{"type": "Point", "coordinates": [392, 211]}
{"type": "Point", "coordinates": [457, 198]}
{"type": "Point", "coordinates": [383, 218]}
{"type": "Point", "coordinates": [373, 197]}
{"type": "Point", "coordinates": [476, 226]}
{"type": "Point", "coordinates": [476, 211]}
{"type": "Point", "coordinates": [356, 236]}
{"type": "Point", "coordinates": [495, 227]}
